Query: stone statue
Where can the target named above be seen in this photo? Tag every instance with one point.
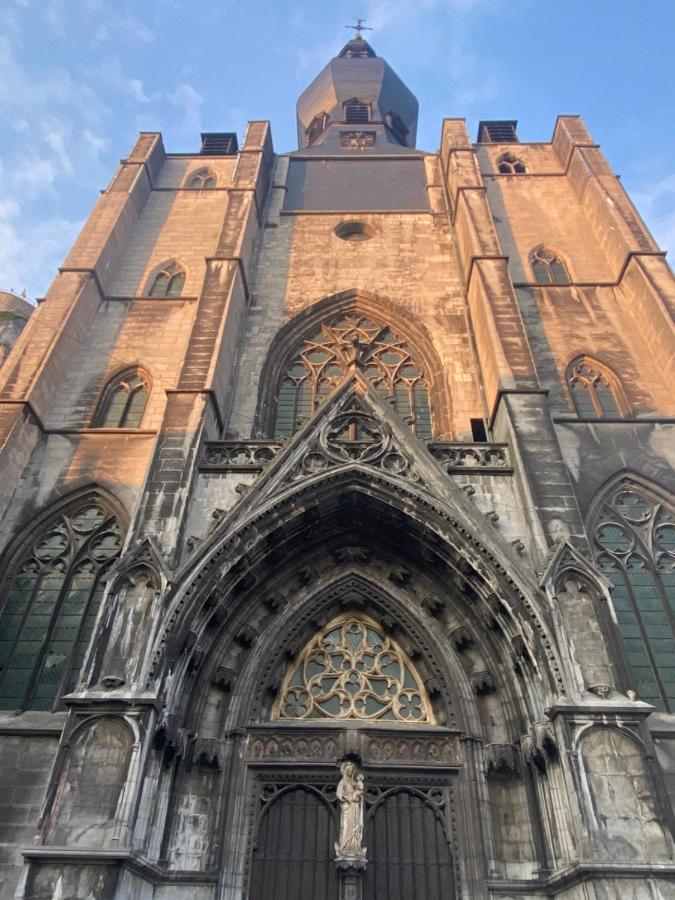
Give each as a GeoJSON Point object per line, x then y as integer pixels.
{"type": "Point", "coordinates": [350, 796]}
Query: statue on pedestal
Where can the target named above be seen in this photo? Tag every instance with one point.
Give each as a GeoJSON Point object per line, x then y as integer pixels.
{"type": "Point", "coordinates": [349, 849]}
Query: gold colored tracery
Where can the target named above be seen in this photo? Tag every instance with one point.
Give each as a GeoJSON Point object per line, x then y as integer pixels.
{"type": "Point", "coordinates": [351, 670]}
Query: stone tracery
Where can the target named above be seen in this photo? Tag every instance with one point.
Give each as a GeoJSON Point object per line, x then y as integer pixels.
{"type": "Point", "coordinates": [385, 358]}
{"type": "Point", "coordinates": [351, 670]}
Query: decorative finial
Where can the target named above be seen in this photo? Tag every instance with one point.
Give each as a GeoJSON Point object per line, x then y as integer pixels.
{"type": "Point", "coordinates": [359, 27]}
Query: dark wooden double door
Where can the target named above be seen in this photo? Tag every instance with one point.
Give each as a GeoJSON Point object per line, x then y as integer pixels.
{"type": "Point", "coordinates": [409, 857]}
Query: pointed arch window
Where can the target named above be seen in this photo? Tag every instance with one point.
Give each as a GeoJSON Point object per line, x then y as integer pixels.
{"type": "Point", "coordinates": [124, 400]}
{"type": "Point", "coordinates": [168, 282]}
{"type": "Point", "coordinates": [595, 393]}
{"type": "Point", "coordinates": [51, 600]}
{"type": "Point", "coordinates": [634, 543]}
{"type": "Point", "coordinates": [351, 670]}
{"type": "Point", "coordinates": [202, 179]}
{"type": "Point", "coordinates": [547, 267]}
{"type": "Point", "coordinates": [383, 356]}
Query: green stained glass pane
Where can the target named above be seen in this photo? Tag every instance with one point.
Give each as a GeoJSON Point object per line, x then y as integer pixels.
{"type": "Point", "coordinates": [583, 400]}
{"type": "Point", "coordinates": [160, 285]}
{"type": "Point", "coordinates": [175, 286]}
{"type": "Point", "coordinates": [614, 537]}
{"type": "Point", "coordinates": [559, 272]}
{"type": "Point", "coordinates": [606, 401]}
{"type": "Point", "coordinates": [135, 409]}
{"type": "Point", "coordinates": [541, 271]}
{"type": "Point", "coordinates": [116, 406]}
{"type": "Point", "coordinates": [47, 620]}
{"type": "Point", "coordinates": [88, 519]}
{"type": "Point", "coordinates": [664, 537]}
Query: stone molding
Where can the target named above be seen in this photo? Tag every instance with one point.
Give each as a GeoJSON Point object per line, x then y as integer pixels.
{"type": "Point", "coordinates": [453, 456]}
{"type": "Point", "coordinates": [377, 746]}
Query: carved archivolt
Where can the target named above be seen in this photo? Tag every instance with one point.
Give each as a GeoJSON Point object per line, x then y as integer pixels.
{"type": "Point", "coordinates": [351, 670]}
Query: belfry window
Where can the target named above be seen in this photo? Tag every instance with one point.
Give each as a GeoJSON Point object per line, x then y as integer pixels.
{"type": "Point", "coordinates": [124, 400]}
{"type": "Point", "coordinates": [316, 128]}
{"type": "Point", "coordinates": [322, 360]}
{"type": "Point", "coordinates": [356, 112]}
{"type": "Point", "coordinates": [168, 282]}
{"type": "Point", "coordinates": [634, 543]}
{"type": "Point", "coordinates": [594, 392]}
{"type": "Point", "coordinates": [351, 670]}
{"type": "Point", "coordinates": [51, 602]}
{"type": "Point", "coordinates": [202, 179]}
{"type": "Point", "coordinates": [547, 267]}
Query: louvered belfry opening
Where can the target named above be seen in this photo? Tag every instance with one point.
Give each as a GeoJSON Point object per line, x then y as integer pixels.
{"type": "Point", "coordinates": [357, 112]}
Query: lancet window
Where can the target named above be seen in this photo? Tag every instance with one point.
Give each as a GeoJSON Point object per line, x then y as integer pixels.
{"type": "Point", "coordinates": [351, 670]}
{"type": "Point", "coordinates": [594, 392]}
{"type": "Point", "coordinates": [634, 541]}
{"type": "Point", "coordinates": [168, 282]}
{"type": "Point", "coordinates": [384, 357]}
{"type": "Point", "coordinates": [124, 400]}
{"type": "Point", "coordinates": [51, 600]}
{"type": "Point", "coordinates": [547, 267]}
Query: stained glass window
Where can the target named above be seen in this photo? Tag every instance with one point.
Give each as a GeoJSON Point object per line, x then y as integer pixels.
{"type": "Point", "coordinates": [634, 540]}
{"type": "Point", "coordinates": [168, 282]}
{"type": "Point", "coordinates": [50, 605]}
{"type": "Point", "coordinates": [547, 268]}
{"type": "Point", "coordinates": [351, 670]}
{"type": "Point", "coordinates": [124, 401]}
{"type": "Point", "coordinates": [384, 357]}
{"type": "Point", "coordinates": [593, 391]}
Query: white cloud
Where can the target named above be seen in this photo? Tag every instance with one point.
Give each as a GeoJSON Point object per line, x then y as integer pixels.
{"type": "Point", "coordinates": [31, 253]}
{"type": "Point", "coordinates": [95, 142]}
{"type": "Point", "coordinates": [189, 101]}
{"type": "Point", "coordinates": [33, 175]}
{"type": "Point", "coordinates": [55, 137]}
{"type": "Point", "coordinates": [137, 91]}
{"type": "Point", "coordinates": [123, 26]}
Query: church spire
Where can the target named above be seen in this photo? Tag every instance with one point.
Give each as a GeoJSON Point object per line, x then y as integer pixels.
{"type": "Point", "coordinates": [357, 102]}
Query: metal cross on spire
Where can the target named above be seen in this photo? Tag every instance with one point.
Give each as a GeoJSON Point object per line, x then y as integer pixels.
{"type": "Point", "coordinates": [359, 27]}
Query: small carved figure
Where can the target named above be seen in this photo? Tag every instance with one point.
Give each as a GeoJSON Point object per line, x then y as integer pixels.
{"type": "Point", "coordinates": [350, 796]}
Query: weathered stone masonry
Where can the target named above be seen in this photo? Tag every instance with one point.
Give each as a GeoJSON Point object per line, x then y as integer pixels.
{"type": "Point", "coordinates": [502, 518]}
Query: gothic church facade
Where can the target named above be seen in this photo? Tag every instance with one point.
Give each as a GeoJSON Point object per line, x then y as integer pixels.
{"type": "Point", "coordinates": [337, 522]}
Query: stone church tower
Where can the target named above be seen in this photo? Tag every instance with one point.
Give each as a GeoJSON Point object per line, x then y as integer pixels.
{"type": "Point", "coordinates": [338, 524]}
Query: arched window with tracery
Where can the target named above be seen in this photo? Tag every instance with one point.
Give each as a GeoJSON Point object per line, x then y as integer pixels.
{"type": "Point", "coordinates": [168, 282]}
{"type": "Point", "coordinates": [124, 400]}
{"type": "Point", "coordinates": [51, 597]}
{"type": "Point", "coordinates": [383, 356]}
{"type": "Point", "coordinates": [595, 393]}
{"type": "Point", "coordinates": [202, 179]}
{"type": "Point", "coordinates": [352, 670]}
{"type": "Point", "coordinates": [547, 267]}
{"type": "Point", "coordinates": [509, 164]}
{"type": "Point", "coordinates": [633, 535]}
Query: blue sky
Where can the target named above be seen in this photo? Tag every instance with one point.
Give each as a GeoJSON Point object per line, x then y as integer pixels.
{"type": "Point", "coordinates": [79, 78]}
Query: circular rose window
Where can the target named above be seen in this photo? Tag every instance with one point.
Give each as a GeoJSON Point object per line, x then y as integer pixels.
{"type": "Point", "coordinates": [355, 231]}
